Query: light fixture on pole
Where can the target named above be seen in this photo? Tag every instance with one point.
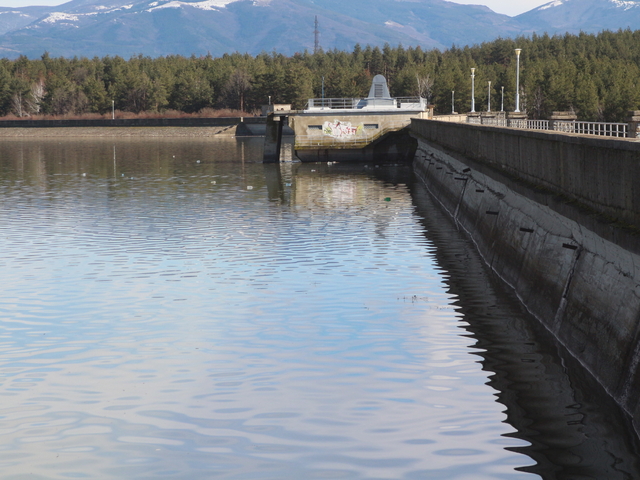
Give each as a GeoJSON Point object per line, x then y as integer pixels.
{"type": "Point", "coordinates": [489, 98]}
{"type": "Point", "coordinates": [473, 93]}
{"type": "Point", "coordinates": [453, 101]}
{"type": "Point", "coordinates": [518, 50]}
{"type": "Point", "coordinates": [502, 101]}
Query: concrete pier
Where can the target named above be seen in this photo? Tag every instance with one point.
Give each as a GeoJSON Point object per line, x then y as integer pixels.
{"type": "Point", "coordinates": [273, 138]}
{"type": "Point", "coordinates": [556, 217]}
{"type": "Point", "coordinates": [372, 129]}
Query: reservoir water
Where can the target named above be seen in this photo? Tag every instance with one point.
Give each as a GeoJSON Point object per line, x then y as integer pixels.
{"type": "Point", "coordinates": [175, 309]}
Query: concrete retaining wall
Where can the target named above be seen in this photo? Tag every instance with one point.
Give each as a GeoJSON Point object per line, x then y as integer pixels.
{"type": "Point", "coordinates": [600, 173]}
{"type": "Point", "coordinates": [137, 122]}
{"type": "Point", "coordinates": [583, 287]}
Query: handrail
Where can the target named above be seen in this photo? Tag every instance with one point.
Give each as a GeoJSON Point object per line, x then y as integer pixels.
{"type": "Point", "coordinates": [538, 124]}
{"type": "Point", "coordinates": [608, 129]}
{"type": "Point", "coordinates": [599, 128]}
{"type": "Point", "coordinates": [332, 103]}
{"type": "Point", "coordinates": [418, 103]}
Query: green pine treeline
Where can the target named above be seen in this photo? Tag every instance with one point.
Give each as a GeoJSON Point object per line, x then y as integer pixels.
{"type": "Point", "coordinates": [594, 75]}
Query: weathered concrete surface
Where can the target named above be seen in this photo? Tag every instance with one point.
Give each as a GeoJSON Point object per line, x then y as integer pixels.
{"type": "Point", "coordinates": [600, 173]}
{"type": "Point", "coordinates": [144, 127]}
{"type": "Point", "coordinates": [134, 122]}
{"type": "Point", "coordinates": [273, 138]}
{"type": "Point", "coordinates": [120, 132]}
{"type": "Point", "coordinates": [392, 147]}
{"type": "Point", "coordinates": [563, 406]}
{"type": "Point", "coordinates": [345, 135]}
{"type": "Point", "coordinates": [583, 287]}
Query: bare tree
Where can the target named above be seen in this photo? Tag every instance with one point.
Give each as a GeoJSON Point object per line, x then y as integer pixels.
{"type": "Point", "coordinates": [237, 87]}
{"type": "Point", "coordinates": [538, 103]}
{"type": "Point", "coordinates": [33, 100]}
{"type": "Point", "coordinates": [68, 99]}
{"type": "Point", "coordinates": [17, 104]}
{"type": "Point", "coordinates": [425, 87]}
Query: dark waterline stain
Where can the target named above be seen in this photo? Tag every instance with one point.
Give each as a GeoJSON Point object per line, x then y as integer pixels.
{"type": "Point", "coordinates": [575, 430]}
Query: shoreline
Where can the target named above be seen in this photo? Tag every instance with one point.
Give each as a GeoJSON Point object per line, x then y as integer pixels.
{"type": "Point", "coordinates": [97, 132]}
{"type": "Point", "coordinates": [139, 127]}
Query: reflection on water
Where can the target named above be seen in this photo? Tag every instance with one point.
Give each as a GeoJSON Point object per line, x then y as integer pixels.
{"type": "Point", "coordinates": [176, 309]}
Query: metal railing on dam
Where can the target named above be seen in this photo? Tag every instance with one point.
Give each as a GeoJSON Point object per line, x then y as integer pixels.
{"type": "Point", "coordinates": [598, 172]}
{"type": "Point", "coordinates": [557, 217]}
{"type": "Point", "coordinates": [607, 129]}
{"type": "Point", "coordinates": [406, 103]}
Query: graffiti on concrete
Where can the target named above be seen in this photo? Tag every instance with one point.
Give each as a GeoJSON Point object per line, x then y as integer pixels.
{"type": "Point", "coordinates": [338, 129]}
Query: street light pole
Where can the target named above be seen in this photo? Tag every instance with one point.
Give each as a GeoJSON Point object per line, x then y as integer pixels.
{"type": "Point", "coordinates": [489, 98]}
{"type": "Point", "coordinates": [502, 101]}
{"type": "Point", "coordinates": [473, 93]}
{"type": "Point", "coordinates": [518, 50]}
{"type": "Point", "coordinates": [453, 102]}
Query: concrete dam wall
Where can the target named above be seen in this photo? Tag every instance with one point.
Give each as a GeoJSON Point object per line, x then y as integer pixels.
{"type": "Point", "coordinates": [136, 122]}
{"type": "Point", "coordinates": [556, 217]}
{"type": "Point", "coordinates": [236, 126]}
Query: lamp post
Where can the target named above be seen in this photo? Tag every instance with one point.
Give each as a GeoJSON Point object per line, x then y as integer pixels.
{"type": "Point", "coordinates": [489, 98]}
{"type": "Point", "coordinates": [473, 93]}
{"type": "Point", "coordinates": [502, 101]}
{"type": "Point", "coordinates": [453, 102]}
{"type": "Point", "coordinates": [113, 109]}
{"type": "Point", "coordinates": [518, 50]}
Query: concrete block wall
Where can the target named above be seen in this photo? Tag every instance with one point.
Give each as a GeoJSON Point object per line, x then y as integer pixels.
{"type": "Point", "coordinates": [584, 288]}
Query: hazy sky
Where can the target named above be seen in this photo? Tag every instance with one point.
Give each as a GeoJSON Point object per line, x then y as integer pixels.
{"type": "Point", "coordinates": [508, 7]}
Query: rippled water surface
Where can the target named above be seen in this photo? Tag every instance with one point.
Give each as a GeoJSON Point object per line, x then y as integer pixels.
{"type": "Point", "coordinates": [176, 309]}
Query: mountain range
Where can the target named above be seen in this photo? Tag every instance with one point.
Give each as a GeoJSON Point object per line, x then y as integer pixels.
{"type": "Point", "coordinates": [199, 27]}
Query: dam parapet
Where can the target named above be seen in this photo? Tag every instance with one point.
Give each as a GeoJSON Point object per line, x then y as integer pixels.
{"type": "Point", "coordinates": [599, 173]}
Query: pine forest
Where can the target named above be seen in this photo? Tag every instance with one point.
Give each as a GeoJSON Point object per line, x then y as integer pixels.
{"type": "Point", "coordinates": [596, 76]}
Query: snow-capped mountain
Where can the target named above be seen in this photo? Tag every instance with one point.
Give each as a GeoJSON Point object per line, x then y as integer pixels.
{"type": "Point", "coordinates": [162, 27]}
{"type": "Point", "coordinates": [14, 19]}
{"type": "Point", "coordinates": [186, 27]}
{"type": "Point", "coordinates": [590, 16]}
